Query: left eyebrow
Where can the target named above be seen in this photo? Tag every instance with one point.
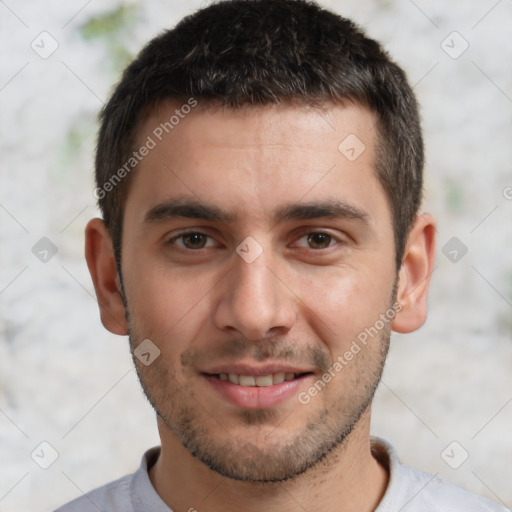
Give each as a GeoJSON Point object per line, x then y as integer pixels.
{"type": "Point", "coordinates": [318, 209]}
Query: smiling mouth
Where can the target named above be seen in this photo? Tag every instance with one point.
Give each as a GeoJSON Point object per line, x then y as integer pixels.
{"type": "Point", "coordinates": [258, 380]}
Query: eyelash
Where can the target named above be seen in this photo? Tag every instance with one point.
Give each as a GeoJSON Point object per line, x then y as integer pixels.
{"type": "Point", "coordinates": [172, 240]}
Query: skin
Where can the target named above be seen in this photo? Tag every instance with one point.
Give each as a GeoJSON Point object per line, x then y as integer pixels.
{"type": "Point", "coordinates": [302, 301]}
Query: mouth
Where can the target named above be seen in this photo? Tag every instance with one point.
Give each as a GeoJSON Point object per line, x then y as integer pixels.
{"type": "Point", "coordinates": [253, 388]}
{"type": "Point", "coordinates": [260, 381]}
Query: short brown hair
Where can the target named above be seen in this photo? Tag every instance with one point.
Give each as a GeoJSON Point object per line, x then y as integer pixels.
{"type": "Point", "coordinates": [261, 52]}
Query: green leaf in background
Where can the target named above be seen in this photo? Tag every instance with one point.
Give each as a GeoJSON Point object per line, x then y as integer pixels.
{"type": "Point", "coordinates": [454, 196]}
{"type": "Point", "coordinates": [113, 29]}
{"type": "Point", "coordinates": [111, 24]}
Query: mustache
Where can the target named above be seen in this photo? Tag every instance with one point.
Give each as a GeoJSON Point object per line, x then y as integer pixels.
{"type": "Point", "coordinates": [261, 350]}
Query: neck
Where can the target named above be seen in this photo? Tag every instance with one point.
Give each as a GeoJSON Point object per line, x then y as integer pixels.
{"type": "Point", "coordinates": [348, 479]}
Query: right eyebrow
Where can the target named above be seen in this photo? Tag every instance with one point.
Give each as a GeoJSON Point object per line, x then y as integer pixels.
{"type": "Point", "coordinates": [190, 209]}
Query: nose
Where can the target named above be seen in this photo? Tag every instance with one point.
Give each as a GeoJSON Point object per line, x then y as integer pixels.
{"type": "Point", "coordinates": [254, 300]}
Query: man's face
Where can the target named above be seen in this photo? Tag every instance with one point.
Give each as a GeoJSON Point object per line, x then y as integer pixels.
{"type": "Point", "coordinates": [315, 272]}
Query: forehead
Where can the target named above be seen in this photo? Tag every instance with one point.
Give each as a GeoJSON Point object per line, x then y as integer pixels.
{"type": "Point", "coordinates": [254, 125]}
{"type": "Point", "coordinates": [251, 159]}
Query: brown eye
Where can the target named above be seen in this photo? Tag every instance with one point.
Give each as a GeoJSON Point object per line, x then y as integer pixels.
{"type": "Point", "coordinates": [194, 240]}
{"type": "Point", "coordinates": [319, 240]}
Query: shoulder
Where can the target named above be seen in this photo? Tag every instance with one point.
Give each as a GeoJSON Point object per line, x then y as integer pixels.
{"type": "Point", "coordinates": [123, 495]}
{"type": "Point", "coordinates": [412, 490]}
{"type": "Point", "coordinates": [429, 492]}
{"type": "Point", "coordinates": [115, 496]}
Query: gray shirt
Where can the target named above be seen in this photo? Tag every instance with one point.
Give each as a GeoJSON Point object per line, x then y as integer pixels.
{"type": "Point", "coordinates": [409, 490]}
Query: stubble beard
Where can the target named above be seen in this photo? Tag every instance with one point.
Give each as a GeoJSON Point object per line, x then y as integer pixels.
{"type": "Point", "coordinates": [276, 459]}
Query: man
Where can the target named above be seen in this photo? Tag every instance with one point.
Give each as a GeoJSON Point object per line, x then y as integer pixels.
{"type": "Point", "coordinates": [259, 171]}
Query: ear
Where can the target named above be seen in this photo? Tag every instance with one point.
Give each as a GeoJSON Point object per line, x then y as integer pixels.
{"type": "Point", "coordinates": [99, 253]}
{"type": "Point", "coordinates": [414, 275]}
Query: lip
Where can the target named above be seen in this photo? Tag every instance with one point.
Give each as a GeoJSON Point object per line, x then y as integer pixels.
{"type": "Point", "coordinates": [254, 397]}
{"type": "Point", "coordinates": [255, 370]}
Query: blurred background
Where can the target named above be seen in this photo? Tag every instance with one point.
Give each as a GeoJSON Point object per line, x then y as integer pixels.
{"type": "Point", "coordinates": [446, 397]}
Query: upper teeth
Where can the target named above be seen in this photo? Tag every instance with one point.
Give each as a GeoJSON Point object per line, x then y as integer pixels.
{"type": "Point", "coordinates": [260, 380]}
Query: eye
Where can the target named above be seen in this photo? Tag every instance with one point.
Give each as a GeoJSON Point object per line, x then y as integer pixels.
{"type": "Point", "coordinates": [317, 240]}
{"type": "Point", "coordinates": [192, 240]}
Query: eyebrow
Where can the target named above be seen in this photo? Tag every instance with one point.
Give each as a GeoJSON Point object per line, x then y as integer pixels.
{"type": "Point", "coordinates": [190, 209]}
{"type": "Point", "coordinates": [193, 209]}
{"type": "Point", "coordinates": [319, 209]}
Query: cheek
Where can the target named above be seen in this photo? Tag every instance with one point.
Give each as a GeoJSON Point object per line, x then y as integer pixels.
{"type": "Point", "coordinates": [168, 306]}
{"type": "Point", "coordinates": [344, 303]}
